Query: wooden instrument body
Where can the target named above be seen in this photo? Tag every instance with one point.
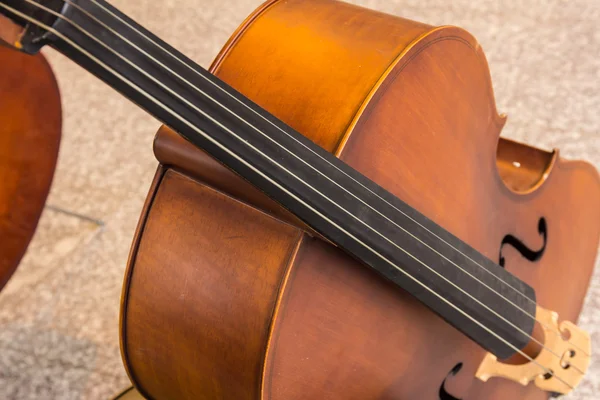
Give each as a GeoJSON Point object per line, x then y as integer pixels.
{"type": "Point", "coordinates": [228, 296]}
{"type": "Point", "coordinates": [30, 128]}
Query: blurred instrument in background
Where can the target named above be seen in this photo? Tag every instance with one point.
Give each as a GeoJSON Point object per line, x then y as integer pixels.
{"type": "Point", "coordinates": [30, 127]}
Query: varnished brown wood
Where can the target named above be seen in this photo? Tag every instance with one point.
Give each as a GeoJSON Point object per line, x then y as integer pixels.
{"type": "Point", "coordinates": [241, 275]}
{"type": "Point", "coordinates": [332, 72]}
{"type": "Point", "coordinates": [410, 106]}
{"type": "Point", "coordinates": [10, 33]}
{"type": "Point", "coordinates": [30, 125]}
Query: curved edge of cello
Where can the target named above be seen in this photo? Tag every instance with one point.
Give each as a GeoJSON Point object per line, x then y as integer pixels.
{"type": "Point", "coordinates": [30, 130]}
{"type": "Point", "coordinates": [131, 259]}
{"type": "Point", "coordinates": [404, 58]}
{"type": "Point", "coordinates": [236, 35]}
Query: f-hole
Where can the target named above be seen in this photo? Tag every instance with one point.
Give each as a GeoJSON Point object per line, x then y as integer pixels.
{"type": "Point", "coordinates": [529, 254]}
{"type": "Point", "coordinates": [444, 395]}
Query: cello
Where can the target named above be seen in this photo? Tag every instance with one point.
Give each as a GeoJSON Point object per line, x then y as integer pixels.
{"type": "Point", "coordinates": [397, 249]}
{"type": "Point", "coordinates": [30, 128]}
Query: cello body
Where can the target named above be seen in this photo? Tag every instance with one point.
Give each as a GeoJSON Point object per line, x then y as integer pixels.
{"type": "Point", "coordinates": [229, 296]}
{"type": "Point", "coordinates": [30, 129]}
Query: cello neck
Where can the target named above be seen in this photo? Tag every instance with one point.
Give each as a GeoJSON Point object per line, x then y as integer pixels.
{"type": "Point", "coordinates": [471, 292]}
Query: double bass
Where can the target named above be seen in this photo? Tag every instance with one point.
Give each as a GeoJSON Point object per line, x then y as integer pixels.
{"type": "Point", "coordinates": [334, 214]}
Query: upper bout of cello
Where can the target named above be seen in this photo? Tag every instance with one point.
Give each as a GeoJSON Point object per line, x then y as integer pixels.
{"type": "Point", "coordinates": [313, 64]}
{"type": "Point", "coordinates": [321, 65]}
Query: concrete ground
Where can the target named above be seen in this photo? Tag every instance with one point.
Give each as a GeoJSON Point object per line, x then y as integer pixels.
{"type": "Point", "coordinates": [59, 314]}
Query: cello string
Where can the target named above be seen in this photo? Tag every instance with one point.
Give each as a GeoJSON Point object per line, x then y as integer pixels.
{"type": "Point", "coordinates": [157, 82]}
{"type": "Point", "coordinates": [250, 166]}
{"type": "Point", "coordinates": [114, 32]}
